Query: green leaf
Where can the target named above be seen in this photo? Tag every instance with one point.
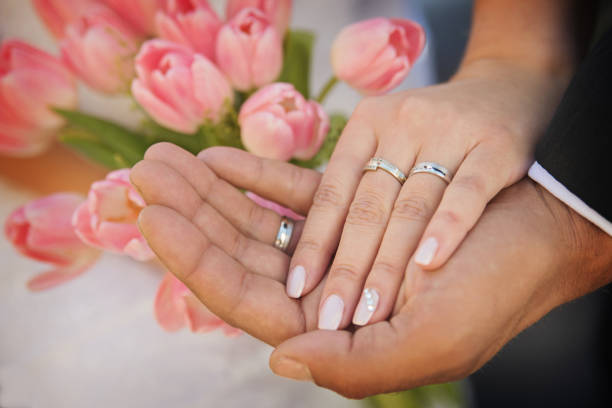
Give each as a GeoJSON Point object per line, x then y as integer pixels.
{"type": "Point", "coordinates": [92, 149]}
{"type": "Point", "coordinates": [156, 133]}
{"type": "Point", "coordinates": [129, 145]}
{"type": "Point", "coordinates": [337, 122]}
{"type": "Point", "coordinates": [297, 59]}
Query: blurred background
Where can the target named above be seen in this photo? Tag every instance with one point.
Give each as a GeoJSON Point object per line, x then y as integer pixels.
{"type": "Point", "coordinates": [94, 342]}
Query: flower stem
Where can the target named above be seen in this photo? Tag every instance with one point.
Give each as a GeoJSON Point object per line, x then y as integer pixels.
{"type": "Point", "coordinates": [329, 85]}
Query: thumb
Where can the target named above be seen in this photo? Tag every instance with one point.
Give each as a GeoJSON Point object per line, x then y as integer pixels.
{"type": "Point", "coordinates": [355, 365]}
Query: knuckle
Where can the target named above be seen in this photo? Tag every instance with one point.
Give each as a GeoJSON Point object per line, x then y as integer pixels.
{"type": "Point", "coordinates": [414, 106]}
{"type": "Point", "coordinates": [473, 184]}
{"type": "Point", "coordinates": [367, 209]}
{"type": "Point", "coordinates": [346, 272]}
{"type": "Point", "coordinates": [255, 218]}
{"type": "Point", "coordinates": [385, 270]}
{"type": "Point", "coordinates": [412, 208]}
{"type": "Point", "coordinates": [365, 106]}
{"type": "Point", "coordinates": [451, 217]}
{"type": "Point", "coordinates": [327, 195]}
{"type": "Point", "coordinates": [309, 244]}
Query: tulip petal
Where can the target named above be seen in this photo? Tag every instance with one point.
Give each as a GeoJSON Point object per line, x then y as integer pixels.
{"type": "Point", "coordinates": [267, 136]}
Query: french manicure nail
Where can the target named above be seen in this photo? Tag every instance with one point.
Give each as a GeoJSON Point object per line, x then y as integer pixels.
{"type": "Point", "coordinates": [296, 281]}
{"type": "Point", "coordinates": [425, 254]}
{"type": "Point", "coordinates": [367, 307]}
{"type": "Point", "coordinates": [289, 368]}
{"type": "Point", "coordinates": [331, 313]}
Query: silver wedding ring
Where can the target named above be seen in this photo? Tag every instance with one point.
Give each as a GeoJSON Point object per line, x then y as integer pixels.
{"type": "Point", "coordinates": [283, 237]}
{"type": "Point", "coordinates": [432, 168]}
{"type": "Point", "coordinates": [376, 163]}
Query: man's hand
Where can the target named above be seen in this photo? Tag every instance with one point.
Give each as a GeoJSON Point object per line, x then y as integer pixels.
{"type": "Point", "coordinates": [528, 254]}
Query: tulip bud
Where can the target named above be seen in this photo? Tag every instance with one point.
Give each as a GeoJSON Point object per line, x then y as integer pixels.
{"type": "Point", "coordinates": [278, 123]}
{"type": "Point", "coordinates": [57, 14]}
{"type": "Point", "coordinates": [31, 82]}
{"type": "Point", "coordinates": [277, 11]}
{"type": "Point", "coordinates": [99, 48]}
{"type": "Point", "coordinates": [189, 22]}
{"type": "Point", "coordinates": [139, 13]}
{"type": "Point", "coordinates": [249, 50]}
{"type": "Point", "coordinates": [374, 56]}
{"type": "Point", "coordinates": [176, 306]}
{"type": "Point", "coordinates": [41, 230]}
{"type": "Point", "coordinates": [178, 88]}
{"type": "Point", "coordinates": [107, 220]}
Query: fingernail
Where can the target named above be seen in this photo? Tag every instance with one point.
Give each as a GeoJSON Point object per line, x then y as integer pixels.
{"type": "Point", "coordinates": [296, 281]}
{"type": "Point", "coordinates": [425, 254]}
{"type": "Point", "coordinates": [289, 368]}
{"type": "Point", "coordinates": [331, 313]}
{"type": "Point", "coordinates": [367, 307]}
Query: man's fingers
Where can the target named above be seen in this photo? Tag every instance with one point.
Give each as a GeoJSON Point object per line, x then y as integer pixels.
{"type": "Point", "coordinates": [477, 181]}
{"type": "Point", "coordinates": [160, 184]}
{"type": "Point", "coordinates": [283, 183]}
{"type": "Point", "coordinates": [251, 302]}
{"type": "Point", "coordinates": [252, 220]}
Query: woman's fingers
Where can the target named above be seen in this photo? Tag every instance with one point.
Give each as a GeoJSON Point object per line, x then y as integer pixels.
{"type": "Point", "coordinates": [329, 209]}
{"type": "Point", "coordinates": [159, 184]}
{"type": "Point", "coordinates": [412, 210]}
{"type": "Point", "coordinates": [252, 220]}
{"type": "Point", "coordinates": [283, 183]}
{"type": "Point", "coordinates": [363, 231]}
{"type": "Point", "coordinates": [254, 303]}
{"type": "Point", "coordinates": [477, 181]}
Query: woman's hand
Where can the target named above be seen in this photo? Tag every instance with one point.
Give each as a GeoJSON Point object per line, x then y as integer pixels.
{"type": "Point", "coordinates": [481, 126]}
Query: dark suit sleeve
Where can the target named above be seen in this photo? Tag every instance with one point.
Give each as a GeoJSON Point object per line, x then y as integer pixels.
{"type": "Point", "coordinates": [576, 150]}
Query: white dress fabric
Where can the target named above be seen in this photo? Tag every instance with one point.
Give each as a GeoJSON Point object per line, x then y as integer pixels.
{"type": "Point", "coordinates": [94, 342]}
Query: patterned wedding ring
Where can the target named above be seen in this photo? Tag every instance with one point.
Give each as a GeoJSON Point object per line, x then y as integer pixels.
{"type": "Point", "coordinates": [432, 168]}
{"type": "Point", "coordinates": [283, 237]}
{"type": "Point", "coordinates": [376, 163]}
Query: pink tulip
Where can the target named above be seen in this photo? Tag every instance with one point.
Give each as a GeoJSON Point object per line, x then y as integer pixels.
{"type": "Point", "coordinates": [176, 306]}
{"type": "Point", "coordinates": [278, 123]}
{"type": "Point", "coordinates": [249, 50]}
{"type": "Point", "coordinates": [100, 47]}
{"type": "Point", "coordinates": [31, 82]}
{"type": "Point", "coordinates": [139, 13]}
{"type": "Point", "coordinates": [189, 22]}
{"type": "Point", "coordinates": [374, 56]}
{"type": "Point", "coordinates": [277, 11]}
{"type": "Point", "coordinates": [41, 230]}
{"type": "Point", "coordinates": [107, 220]}
{"type": "Point", "coordinates": [57, 14]}
{"type": "Point", "coordinates": [178, 88]}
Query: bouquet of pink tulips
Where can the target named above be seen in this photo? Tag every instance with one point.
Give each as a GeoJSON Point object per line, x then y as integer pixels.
{"type": "Point", "coordinates": [199, 81]}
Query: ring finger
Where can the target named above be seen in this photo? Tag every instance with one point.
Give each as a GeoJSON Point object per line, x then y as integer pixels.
{"type": "Point", "coordinates": [363, 231]}
{"type": "Point", "coordinates": [414, 207]}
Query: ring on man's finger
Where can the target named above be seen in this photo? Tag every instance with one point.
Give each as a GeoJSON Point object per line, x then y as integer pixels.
{"type": "Point", "coordinates": [283, 237]}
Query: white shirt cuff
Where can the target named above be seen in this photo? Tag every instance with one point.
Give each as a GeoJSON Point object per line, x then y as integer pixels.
{"type": "Point", "coordinates": [541, 176]}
